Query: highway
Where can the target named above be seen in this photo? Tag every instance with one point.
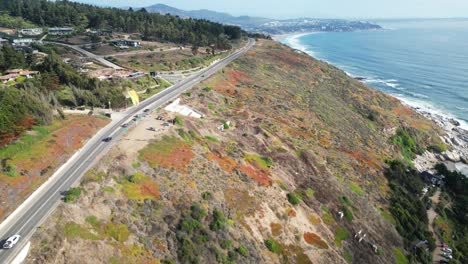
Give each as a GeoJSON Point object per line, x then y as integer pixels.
{"type": "Point", "coordinates": [35, 210]}
{"type": "Point", "coordinates": [88, 54]}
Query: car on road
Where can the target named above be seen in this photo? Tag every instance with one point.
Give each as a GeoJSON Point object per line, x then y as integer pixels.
{"type": "Point", "coordinates": [146, 110]}
{"type": "Point", "coordinates": [107, 139]}
{"type": "Point", "coordinates": [447, 255]}
{"type": "Point", "coordinates": [11, 241]}
{"type": "Point", "coordinates": [125, 125]}
{"type": "Point", "coordinates": [166, 124]}
{"type": "Point", "coordinates": [448, 250]}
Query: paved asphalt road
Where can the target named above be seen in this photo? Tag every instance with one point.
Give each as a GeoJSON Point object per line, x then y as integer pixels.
{"type": "Point", "coordinates": [32, 214]}
{"type": "Point", "coordinates": [88, 54]}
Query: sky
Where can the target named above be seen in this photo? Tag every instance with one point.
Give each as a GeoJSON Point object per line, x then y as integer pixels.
{"type": "Point", "coordinates": [314, 8]}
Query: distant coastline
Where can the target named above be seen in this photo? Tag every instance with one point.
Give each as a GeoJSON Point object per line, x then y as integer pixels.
{"type": "Point", "coordinates": [456, 130]}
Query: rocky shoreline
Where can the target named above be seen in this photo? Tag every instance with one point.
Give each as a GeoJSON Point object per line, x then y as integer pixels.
{"type": "Point", "coordinates": [456, 157]}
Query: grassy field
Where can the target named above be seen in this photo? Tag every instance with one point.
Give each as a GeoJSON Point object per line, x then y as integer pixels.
{"type": "Point", "coordinates": [28, 162]}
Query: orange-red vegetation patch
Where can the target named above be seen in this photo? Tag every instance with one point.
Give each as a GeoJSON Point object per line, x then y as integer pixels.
{"type": "Point", "coordinates": [291, 213]}
{"type": "Point", "coordinates": [141, 187]}
{"type": "Point", "coordinates": [276, 229]}
{"type": "Point", "coordinates": [150, 189]}
{"type": "Point", "coordinates": [401, 110]}
{"type": "Point", "coordinates": [365, 160]}
{"type": "Point", "coordinates": [315, 240]}
{"type": "Point", "coordinates": [169, 153]}
{"type": "Point", "coordinates": [225, 162]}
{"type": "Point", "coordinates": [257, 175]}
{"type": "Point", "coordinates": [225, 88]}
{"type": "Point", "coordinates": [237, 76]}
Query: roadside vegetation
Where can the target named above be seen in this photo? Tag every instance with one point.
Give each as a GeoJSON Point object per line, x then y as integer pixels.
{"type": "Point", "coordinates": [409, 210]}
{"type": "Point", "coordinates": [452, 225]}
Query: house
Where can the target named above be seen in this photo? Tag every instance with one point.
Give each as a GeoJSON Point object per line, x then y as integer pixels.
{"type": "Point", "coordinates": [25, 42]}
{"type": "Point", "coordinates": [15, 73]}
{"type": "Point", "coordinates": [3, 41]}
{"type": "Point", "coordinates": [106, 33]}
{"type": "Point", "coordinates": [8, 77]}
{"type": "Point", "coordinates": [31, 31]}
{"type": "Point", "coordinates": [126, 43]}
{"type": "Point", "coordinates": [60, 31]}
{"type": "Point", "coordinates": [434, 179]}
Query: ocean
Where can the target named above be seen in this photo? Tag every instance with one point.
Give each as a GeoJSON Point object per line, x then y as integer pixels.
{"type": "Point", "coordinates": [424, 63]}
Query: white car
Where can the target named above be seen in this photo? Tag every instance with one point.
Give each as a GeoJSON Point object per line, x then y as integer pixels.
{"type": "Point", "coordinates": [11, 241]}
{"type": "Point", "coordinates": [447, 255]}
{"type": "Point", "coordinates": [448, 250]}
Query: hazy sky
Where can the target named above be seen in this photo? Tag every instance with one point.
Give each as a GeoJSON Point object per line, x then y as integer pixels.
{"type": "Point", "coordinates": [314, 8]}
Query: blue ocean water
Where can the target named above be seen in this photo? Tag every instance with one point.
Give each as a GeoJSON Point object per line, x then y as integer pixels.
{"type": "Point", "coordinates": [424, 63]}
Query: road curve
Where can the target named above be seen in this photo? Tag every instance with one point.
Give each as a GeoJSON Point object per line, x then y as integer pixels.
{"type": "Point", "coordinates": [88, 54]}
{"type": "Point", "coordinates": [34, 211]}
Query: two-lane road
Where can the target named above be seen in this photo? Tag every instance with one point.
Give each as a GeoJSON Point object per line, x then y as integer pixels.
{"type": "Point", "coordinates": [34, 211]}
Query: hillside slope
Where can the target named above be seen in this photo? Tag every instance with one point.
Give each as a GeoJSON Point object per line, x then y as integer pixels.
{"type": "Point", "coordinates": [294, 176]}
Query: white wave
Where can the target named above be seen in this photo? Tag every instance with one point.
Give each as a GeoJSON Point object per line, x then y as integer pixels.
{"type": "Point", "coordinates": [393, 85]}
{"type": "Point", "coordinates": [418, 95]}
{"type": "Point", "coordinates": [294, 42]}
{"type": "Point", "coordinates": [428, 107]}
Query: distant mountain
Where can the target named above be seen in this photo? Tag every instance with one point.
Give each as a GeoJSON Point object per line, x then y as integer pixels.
{"type": "Point", "coordinates": [267, 25]}
{"type": "Point", "coordinates": [207, 14]}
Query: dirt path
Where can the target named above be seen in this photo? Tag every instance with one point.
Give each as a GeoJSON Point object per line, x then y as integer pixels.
{"type": "Point", "coordinates": [432, 215]}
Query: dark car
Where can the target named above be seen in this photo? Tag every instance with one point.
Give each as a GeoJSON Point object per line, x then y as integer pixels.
{"type": "Point", "coordinates": [146, 110]}
{"type": "Point", "coordinates": [107, 139]}
{"type": "Point", "coordinates": [125, 125]}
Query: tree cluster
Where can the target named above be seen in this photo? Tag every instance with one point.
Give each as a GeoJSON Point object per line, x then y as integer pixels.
{"type": "Point", "coordinates": [409, 210]}
{"type": "Point", "coordinates": [149, 25]}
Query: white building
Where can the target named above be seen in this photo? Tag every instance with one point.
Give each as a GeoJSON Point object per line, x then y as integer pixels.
{"type": "Point", "coordinates": [31, 31]}
{"type": "Point", "coordinates": [25, 42]}
{"type": "Point", "coordinates": [60, 31]}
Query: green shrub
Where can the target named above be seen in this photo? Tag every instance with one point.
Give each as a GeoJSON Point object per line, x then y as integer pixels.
{"type": "Point", "coordinates": [178, 121]}
{"type": "Point", "coordinates": [219, 221]}
{"type": "Point", "coordinates": [211, 106]}
{"type": "Point", "coordinates": [400, 257]}
{"type": "Point", "coordinates": [293, 198]}
{"type": "Point", "coordinates": [72, 195]}
{"type": "Point", "coordinates": [10, 170]}
{"type": "Point", "coordinates": [212, 139]}
{"type": "Point", "coordinates": [207, 88]}
{"type": "Point", "coordinates": [206, 195]}
{"type": "Point", "coordinates": [407, 144]}
{"type": "Point", "coordinates": [243, 251]}
{"type": "Point", "coordinates": [439, 148]}
{"type": "Point", "coordinates": [226, 244]}
{"type": "Point", "coordinates": [309, 193]}
{"type": "Point", "coordinates": [340, 235]}
{"type": "Point", "coordinates": [348, 215]}
{"type": "Point", "coordinates": [118, 232]}
{"type": "Point", "coordinates": [272, 245]}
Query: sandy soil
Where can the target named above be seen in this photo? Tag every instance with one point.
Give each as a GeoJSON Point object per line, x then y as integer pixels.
{"type": "Point", "coordinates": [138, 135]}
